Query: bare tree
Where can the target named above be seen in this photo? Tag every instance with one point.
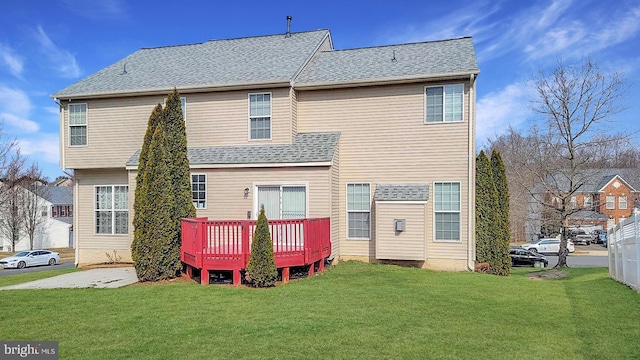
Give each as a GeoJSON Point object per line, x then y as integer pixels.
{"type": "Point", "coordinates": [12, 220]}
{"type": "Point", "coordinates": [32, 203]}
{"type": "Point", "coordinates": [575, 104]}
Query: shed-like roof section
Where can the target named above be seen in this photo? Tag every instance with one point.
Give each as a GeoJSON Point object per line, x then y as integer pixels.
{"type": "Point", "coordinates": [305, 148]}
{"type": "Point", "coordinates": [424, 59]}
{"type": "Point", "coordinates": [215, 63]}
{"type": "Point", "coordinates": [407, 192]}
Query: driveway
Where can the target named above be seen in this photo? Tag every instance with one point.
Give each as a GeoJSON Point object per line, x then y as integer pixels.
{"type": "Point", "coordinates": [94, 278]}
{"type": "Point", "coordinates": [67, 265]}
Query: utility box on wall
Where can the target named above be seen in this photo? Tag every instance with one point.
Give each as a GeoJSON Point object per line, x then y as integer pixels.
{"type": "Point", "coordinates": [399, 225]}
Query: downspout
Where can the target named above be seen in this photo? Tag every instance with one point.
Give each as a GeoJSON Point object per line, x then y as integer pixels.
{"type": "Point", "coordinates": [471, 187]}
{"type": "Point", "coordinates": [76, 184]}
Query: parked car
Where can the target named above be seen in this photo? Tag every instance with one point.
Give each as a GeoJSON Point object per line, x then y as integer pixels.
{"type": "Point", "coordinates": [30, 258]}
{"type": "Point", "coordinates": [548, 246]}
{"type": "Point", "coordinates": [580, 236]}
{"type": "Point", "coordinates": [600, 237]}
{"type": "Point", "coordinates": [524, 257]}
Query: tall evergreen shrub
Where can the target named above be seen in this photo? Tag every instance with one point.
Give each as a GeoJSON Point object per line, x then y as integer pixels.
{"type": "Point", "coordinates": [503, 260]}
{"type": "Point", "coordinates": [485, 210]}
{"type": "Point", "coordinates": [261, 270]}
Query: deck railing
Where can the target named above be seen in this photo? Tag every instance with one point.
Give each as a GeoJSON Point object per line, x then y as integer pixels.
{"type": "Point", "coordinates": [226, 244]}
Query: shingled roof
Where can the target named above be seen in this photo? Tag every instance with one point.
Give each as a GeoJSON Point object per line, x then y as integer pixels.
{"type": "Point", "coordinates": [215, 63]}
{"type": "Point", "coordinates": [404, 61]}
{"type": "Point", "coordinates": [593, 180]}
{"type": "Point", "coordinates": [305, 148]}
{"type": "Point", "coordinates": [408, 192]}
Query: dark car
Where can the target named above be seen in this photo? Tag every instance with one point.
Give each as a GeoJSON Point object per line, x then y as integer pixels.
{"type": "Point", "coordinates": [524, 257]}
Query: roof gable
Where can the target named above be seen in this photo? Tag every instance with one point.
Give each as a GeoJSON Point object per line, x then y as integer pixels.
{"type": "Point", "coordinates": [216, 63]}
{"type": "Point", "coordinates": [612, 178]}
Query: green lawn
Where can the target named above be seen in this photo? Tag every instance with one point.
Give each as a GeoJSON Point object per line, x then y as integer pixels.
{"type": "Point", "coordinates": [354, 310]}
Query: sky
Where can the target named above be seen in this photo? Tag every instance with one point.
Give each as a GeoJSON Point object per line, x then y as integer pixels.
{"type": "Point", "coordinates": [47, 45]}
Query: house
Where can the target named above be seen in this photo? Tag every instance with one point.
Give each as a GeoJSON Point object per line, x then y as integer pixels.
{"type": "Point", "coordinates": [605, 198]}
{"type": "Point", "coordinates": [368, 137]}
{"type": "Point", "coordinates": [54, 219]}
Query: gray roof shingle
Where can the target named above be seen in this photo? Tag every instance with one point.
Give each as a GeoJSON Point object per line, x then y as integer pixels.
{"type": "Point", "coordinates": [375, 63]}
{"type": "Point", "coordinates": [593, 180]}
{"type": "Point", "coordinates": [58, 195]}
{"type": "Point", "coordinates": [251, 60]}
{"type": "Point", "coordinates": [305, 148]}
{"type": "Point", "coordinates": [406, 192]}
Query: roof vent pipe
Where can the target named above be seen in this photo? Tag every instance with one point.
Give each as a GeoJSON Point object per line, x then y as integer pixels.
{"type": "Point", "coordinates": [288, 34]}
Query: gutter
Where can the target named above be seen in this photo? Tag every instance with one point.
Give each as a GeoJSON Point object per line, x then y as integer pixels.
{"type": "Point", "coordinates": [256, 165]}
{"type": "Point", "coordinates": [471, 195]}
{"type": "Point", "coordinates": [182, 90]}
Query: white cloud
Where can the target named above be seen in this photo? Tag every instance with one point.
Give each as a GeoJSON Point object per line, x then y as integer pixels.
{"type": "Point", "coordinates": [15, 109]}
{"type": "Point", "coordinates": [63, 61]}
{"type": "Point", "coordinates": [11, 60]}
{"type": "Point", "coordinates": [19, 123]}
{"type": "Point", "coordinates": [45, 147]}
{"type": "Point", "coordinates": [498, 110]}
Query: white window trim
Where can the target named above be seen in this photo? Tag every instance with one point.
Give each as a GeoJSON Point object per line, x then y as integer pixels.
{"type": "Point", "coordinates": [86, 124]}
{"type": "Point", "coordinates": [424, 104]}
{"type": "Point", "coordinates": [449, 211]}
{"type": "Point", "coordinates": [346, 206]}
{"type": "Point", "coordinates": [113, 218]}
{"type": "Point", "coordinates": [206, 187]}
{"type": "Point", "coordinates": [626, 202]}
{"type": "Point", "coordinates": [256, 209]}
{"type": "Point", "coordinates": [587, 202]}
{"type": "Point", "coordinates": [606, 202]}
{"type": "Point", "coordinates": [249, 116]}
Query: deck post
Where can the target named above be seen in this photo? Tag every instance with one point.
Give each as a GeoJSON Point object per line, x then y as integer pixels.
{"type": "Point", "coordinates": [236, 277]}
{"type": "Point", "coordinates": [204, 277]}
{"type": "Point", "coordinates": [285, 275]}
{"type": "Point", "coordinates": [311, 266]}
{"type": "Point", "coordinates": [321, 265]}
{"type": "Point", "coordinates": [189, 271]}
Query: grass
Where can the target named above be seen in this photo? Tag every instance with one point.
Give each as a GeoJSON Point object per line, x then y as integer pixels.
{"type": "Point", "coordinates": [13, 279]}
{"type": "Point", "coordinates": [354, 310]}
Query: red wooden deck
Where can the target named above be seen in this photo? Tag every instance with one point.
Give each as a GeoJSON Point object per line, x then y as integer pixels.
{"type": "Point", "coordinates": [218, 245]}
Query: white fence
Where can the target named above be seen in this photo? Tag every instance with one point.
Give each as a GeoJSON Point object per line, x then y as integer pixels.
{"type": "Point", "coordinates": [624, 252]}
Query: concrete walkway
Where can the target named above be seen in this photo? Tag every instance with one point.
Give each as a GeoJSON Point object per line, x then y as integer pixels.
{"type": "Point", "coordinates": [94, 278]}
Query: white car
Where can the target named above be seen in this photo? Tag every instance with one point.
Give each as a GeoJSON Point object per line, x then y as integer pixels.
{"type": "Point", "coordinates": [30, 258]}
{"type": "Point", "coordinates": [548, 246]}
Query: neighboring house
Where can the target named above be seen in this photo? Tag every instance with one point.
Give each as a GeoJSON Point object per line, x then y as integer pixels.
{"type": "Point", "coordinates": [607, 197]}
{"type": "Point", "coordinates": [54, 231]}
{"type": "Point", "coordinates": [364, 136]}
{"type": "Point", "coordinates": [62, 181]}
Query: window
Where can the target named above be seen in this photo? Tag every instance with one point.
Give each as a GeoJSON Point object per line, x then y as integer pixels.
{"type": "Point", "coordinates": [444, 103]}
{"type": "Point", "coordinates": [588, 202]}
{"type": "Point", "coordinates": [611, 202]}
{"type": "Point", "coordinates": [199, 190]}
{"type": "Point", "coordinates": [112, 209]}
{"type": "Point", "coordinates": [622, 202]}
{"type": "Point", "coordinates": [44, 211]}
{"type": "Point", "coordinates": [69, 210]}
{"type": "Point", "coordinates": [574, 202]}
{"type": "Point", "coordinates": [283, 202]}
{"type": "Point", "coordinates": [54, 211]}
{"type": "Point", "coordinates": [63, 211]}
{"type": "Point", "coordinates": [358, 211]}
{"type": "Point", "coordinates": [447, 211]}
{"type": "Point", "coordinates": [77, 124]}
{"type": "Point", "coordinates": [260, 116]}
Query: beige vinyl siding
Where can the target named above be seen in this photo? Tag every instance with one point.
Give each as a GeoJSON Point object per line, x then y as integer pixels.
{"type": "Point", "coordinates": [335, 203]}
{"type": "Point", "coordinates": [294, 113]}
{"type": "Point", "coordinates": [213, 119]}
{"type": "Point", "coordinates": [404, 245]}
{"type": "Point", "coordinates": [384, 140]}
{"type": "Point", "coordinates": [87, 241]}
{"type": "Point", "coordinates": [225, 189]}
